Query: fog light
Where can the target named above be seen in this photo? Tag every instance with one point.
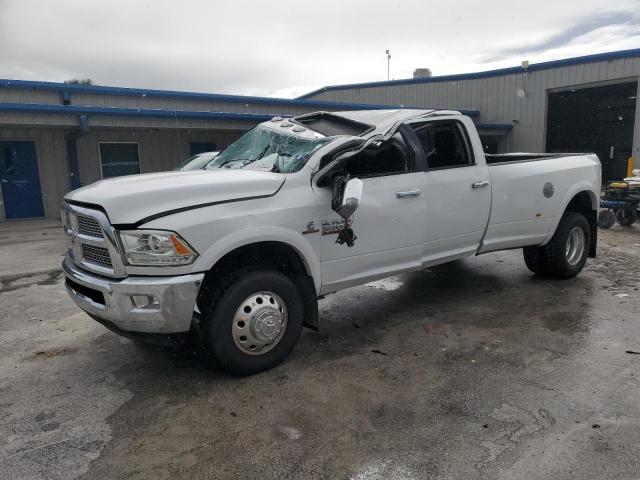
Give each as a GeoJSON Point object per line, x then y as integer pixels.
{"type": "Point", "coordinates": [145, 301]}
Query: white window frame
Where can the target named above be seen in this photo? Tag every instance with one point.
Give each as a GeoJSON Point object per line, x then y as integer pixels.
{"type": "Point", "coordinates": [137, 144]}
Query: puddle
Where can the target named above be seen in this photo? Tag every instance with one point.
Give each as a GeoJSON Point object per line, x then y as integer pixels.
{"type": "Point", "coordinates": [15, 282]}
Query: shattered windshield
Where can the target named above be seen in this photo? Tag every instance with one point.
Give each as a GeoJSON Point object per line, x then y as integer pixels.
{"type": "Point", "coordinates": [268, 150]}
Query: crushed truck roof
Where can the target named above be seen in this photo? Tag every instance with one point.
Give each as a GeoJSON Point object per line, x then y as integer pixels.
{"type": "Point", "coordinates": [363, 123]}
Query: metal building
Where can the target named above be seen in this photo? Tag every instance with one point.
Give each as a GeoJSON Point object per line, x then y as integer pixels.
{"type": "Point", "coordinates": [583, 104]}
{"type": "Point", "coordinates": [55, 137]}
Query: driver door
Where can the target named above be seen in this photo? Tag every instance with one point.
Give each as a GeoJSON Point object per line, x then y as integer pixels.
{"type": "Point", "coordinates": [389, 223]}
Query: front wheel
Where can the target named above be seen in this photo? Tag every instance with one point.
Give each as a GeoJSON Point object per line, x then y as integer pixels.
{"type": "Point", "coordinates": [566, 253]}
{"type": "Point", "coordinates": [253, 321]}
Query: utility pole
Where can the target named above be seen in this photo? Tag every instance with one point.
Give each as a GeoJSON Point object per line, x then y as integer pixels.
{"type": "Point", "coordinates": [388, 62]}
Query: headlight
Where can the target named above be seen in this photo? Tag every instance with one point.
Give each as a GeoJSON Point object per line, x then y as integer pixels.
{"type": "Point", "coordinates": [156, 248]}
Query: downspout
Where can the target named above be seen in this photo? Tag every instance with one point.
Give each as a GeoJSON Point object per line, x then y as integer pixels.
{"type": "Point", "coordinates": [71, 141]}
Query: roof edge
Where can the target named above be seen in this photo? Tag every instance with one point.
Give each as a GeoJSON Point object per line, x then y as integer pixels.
{"type": "Point", "coordinates": [131, 112]}
{"type": "Point", "coordinates": [566, 62]}
{"type": "Point", "coordinates": [140, 92]}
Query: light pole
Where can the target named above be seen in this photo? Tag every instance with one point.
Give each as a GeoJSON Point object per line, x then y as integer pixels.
{"type": "Point", "coordinates": [388, 62]}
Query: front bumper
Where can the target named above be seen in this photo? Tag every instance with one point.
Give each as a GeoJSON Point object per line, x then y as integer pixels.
{"type": "Point", "coordinates": [162, 305]}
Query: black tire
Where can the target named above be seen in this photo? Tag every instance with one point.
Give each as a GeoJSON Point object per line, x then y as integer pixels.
{"type": "Point", "coordinates": [533, 260]}
{"type": "Point", "coordinates": [551, 259]}
{"type": "Point", "coordinates": [223, 301]}
{"type": "Point", "coordinates": [606, 219]}
{"type": "Point", "coordinates": [626, 216]}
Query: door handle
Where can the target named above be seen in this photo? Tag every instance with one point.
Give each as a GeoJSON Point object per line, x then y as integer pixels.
{"type": "Point", "coordinates": [408, 193]}
{"type": "Point", "coordinates": [480, 184]}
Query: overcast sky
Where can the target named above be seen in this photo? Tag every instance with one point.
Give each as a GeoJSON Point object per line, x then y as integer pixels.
{"type": "Point", "coordinates": [287, 48]}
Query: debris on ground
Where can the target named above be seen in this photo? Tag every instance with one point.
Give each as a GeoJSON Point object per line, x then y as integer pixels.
{"type": "Point", "coordinates": [53, 352]}
{"type": "Point", "coordinates": [379, 352]}
{"type": "Point", "coordinates": [632, 352]}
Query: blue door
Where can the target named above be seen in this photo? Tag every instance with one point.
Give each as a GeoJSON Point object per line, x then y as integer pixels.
{"type": "Point", "coordinates": [19, 180]}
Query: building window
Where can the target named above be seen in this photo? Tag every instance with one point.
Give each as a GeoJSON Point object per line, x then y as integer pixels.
{"type": "Point", "coordinates": [118, 159]}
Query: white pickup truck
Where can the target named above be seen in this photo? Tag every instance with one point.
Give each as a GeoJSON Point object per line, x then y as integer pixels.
{"type": "Point", "coordinates": [238, 254]}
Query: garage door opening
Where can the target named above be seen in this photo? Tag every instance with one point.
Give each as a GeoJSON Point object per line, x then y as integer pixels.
{"type": "Point", "coordinates": [596, 119]}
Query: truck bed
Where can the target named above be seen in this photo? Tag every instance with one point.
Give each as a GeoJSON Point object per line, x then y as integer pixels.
{"type": "Point", "coordinates": [503, 158]}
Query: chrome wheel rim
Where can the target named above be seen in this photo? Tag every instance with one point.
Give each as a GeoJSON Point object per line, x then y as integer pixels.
{"type": "Point", "coordinates": [259, 323]}
{"type": "Point", "coordinates": [575, 245]}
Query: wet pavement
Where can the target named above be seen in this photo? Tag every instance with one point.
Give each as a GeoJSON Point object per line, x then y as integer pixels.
{"type": "Point", "coordinates": [476, 369]}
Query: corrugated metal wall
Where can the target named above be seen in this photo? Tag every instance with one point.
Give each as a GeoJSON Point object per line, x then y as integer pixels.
{"type": "Point", "coordinates": [497, 98]}
{"type": "Point", "coordinates": [198, 105]}
{"type": "Point", "coordinates": [159, 151]}
{"type": "Point", "coordinates": [196, 102]}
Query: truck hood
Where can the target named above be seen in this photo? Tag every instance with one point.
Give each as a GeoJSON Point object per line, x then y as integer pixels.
{"type": "Point", "coordinates": [133, 198]}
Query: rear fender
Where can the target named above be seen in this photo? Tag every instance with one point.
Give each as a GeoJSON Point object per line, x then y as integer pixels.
{"type": "Point", "coordinates": [583, 186]}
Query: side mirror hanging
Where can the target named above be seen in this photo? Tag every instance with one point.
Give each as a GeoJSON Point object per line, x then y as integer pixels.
{"type": "Point", "coordinates": [347, 194]}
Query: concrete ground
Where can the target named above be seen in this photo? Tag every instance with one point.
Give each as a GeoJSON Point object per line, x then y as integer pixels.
{"type": "Point", "coordinates": [476, 369]}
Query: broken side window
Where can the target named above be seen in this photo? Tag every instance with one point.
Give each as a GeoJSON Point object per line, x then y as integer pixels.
{"type": "Point", "coordinates": [389, 157]}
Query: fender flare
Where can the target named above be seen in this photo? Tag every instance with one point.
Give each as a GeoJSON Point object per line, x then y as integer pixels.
{"type": "Point", "coordinates": [251, 235]}
{"type": "Point", "coordinates": [582, 186]}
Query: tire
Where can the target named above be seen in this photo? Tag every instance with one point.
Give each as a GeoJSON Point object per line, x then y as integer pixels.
{"type": "Point", "coordinates": [567, 251]}
{"type": "Point", "coordinates": [533, 260]}
{"type": "Point", "coordinates": [606, 219]}
{"type": "Point", "coordinates": [252, 300]}
{"type": "Point", "coordinates": [626, 216]}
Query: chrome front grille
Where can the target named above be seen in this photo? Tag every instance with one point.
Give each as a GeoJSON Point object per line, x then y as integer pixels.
{"type": "Point", "coordinates": [94, 246]}
{"type": "Point", "coordinates": [89, 226]}
{"type": "Point", "coordinates": [98, 255]}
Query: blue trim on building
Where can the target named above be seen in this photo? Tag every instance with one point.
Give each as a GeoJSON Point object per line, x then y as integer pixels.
{"type": "Point", "coordinates": [130, 112]}
{"type": "Point", "coordinates": [494, 126]}
{"type": "Point", "coordinates": [536, 67]}
{"type": "Point", "coordinates": [211, 97]}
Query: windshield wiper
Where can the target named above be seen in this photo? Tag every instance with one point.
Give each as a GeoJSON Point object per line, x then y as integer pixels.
{"type": "Point", "coordinates": [262, 154]}
{"type": "Point", "coordinates": [246, 161]}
